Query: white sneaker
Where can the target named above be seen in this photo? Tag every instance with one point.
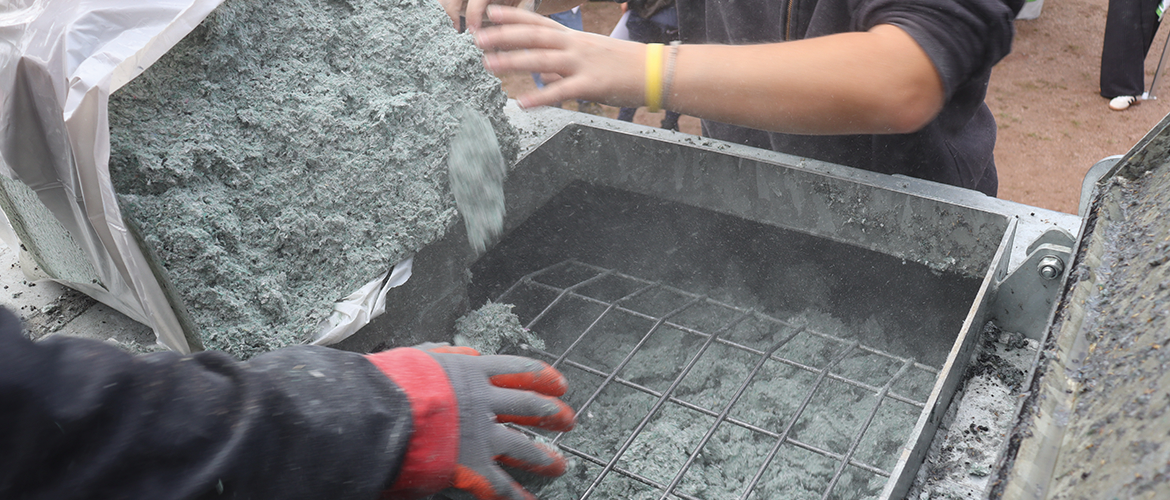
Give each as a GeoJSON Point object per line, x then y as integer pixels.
{"type": "Point", "coordinates": [1122, 102]}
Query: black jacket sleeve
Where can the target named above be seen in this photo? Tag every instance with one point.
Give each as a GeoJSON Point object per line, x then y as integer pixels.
{"type": "Point", "coordinates": [82, 419]}
{"type": "Point", "coordinates": [963, 38]}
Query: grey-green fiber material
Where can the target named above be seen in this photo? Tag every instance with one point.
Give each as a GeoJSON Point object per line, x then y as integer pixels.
{"type": "Point", "coordinates": [476, 168]}
{"type": "Point", "coordinates": [495, 329]}
{"type": "Point", "coordinates": [285, 153]}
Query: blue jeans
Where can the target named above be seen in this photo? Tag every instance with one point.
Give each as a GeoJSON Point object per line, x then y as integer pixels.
{"type": "Point", "coordinates": [660, 28]}
{"type": "Point", "coordinates": [568, 19]}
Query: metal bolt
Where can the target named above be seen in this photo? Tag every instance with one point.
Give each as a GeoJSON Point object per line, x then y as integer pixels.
{"type": "Point", "coordinates": [1050, 267]}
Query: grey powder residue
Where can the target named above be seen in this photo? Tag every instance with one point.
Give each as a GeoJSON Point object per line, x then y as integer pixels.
{"type": "Point", "coordinates": [494, 329]}
{"type": "Point", "coordinates": [974, 431]}
{"type": "Point", "coordinates": [477, 174]}
{"type": "Point", "coordinates": [286, 153]}
{"type": "Point", "coordinates": [1114, 444]}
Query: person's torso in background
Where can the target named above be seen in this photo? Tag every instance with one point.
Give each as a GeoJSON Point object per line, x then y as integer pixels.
{"type": "Point", "coordinates": [956, 148]}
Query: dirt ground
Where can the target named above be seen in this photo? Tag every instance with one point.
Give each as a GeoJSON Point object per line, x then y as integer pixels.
{"type": "Point", "coordinates": [1053, 124]}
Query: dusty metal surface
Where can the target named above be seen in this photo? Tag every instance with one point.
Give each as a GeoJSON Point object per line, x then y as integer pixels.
{"type": "Point", "coordinates": [1097, 422]}
{"type": "Point", "coordinates": [855, 207]}
{"type": "Point", "coordinates": [926, 230]}
{"type": "Point", "coordinates": [808, 195]}
{"type": "Point", "coordinates": [1025, 298]}
{"type": "Point", "coordinates": [952, 376]}
{"type": "Point", "coordinates": [880, 300]}
{"type": "Point", "coordinates": [975, 430]}
{"type": "Point", "coordinates": [813, 198]}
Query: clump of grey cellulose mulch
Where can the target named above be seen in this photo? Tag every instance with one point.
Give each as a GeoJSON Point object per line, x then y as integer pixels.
{"type": "Point", "coordinates": [477, 172]}
{"type": "Point", "coordinates": [494, 329]}
{"type": "Point", "coordinates": [285, 153]}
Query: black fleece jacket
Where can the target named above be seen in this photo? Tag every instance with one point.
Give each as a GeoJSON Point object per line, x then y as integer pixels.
{"type": "Point", "coordinates": [82, 419]}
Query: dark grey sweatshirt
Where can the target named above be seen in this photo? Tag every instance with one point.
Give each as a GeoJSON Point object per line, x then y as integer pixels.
{"type": "Point", "coordinates": [964, 39]}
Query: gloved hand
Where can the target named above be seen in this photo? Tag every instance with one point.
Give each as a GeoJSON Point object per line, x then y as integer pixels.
{"type": "Point", "coordinates": [458, 401]}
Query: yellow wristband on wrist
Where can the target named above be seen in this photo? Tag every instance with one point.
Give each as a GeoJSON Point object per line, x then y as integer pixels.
{"type": "Point", "coordinates": [654, 77]}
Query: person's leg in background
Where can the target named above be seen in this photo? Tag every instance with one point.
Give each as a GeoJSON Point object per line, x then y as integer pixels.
{"type": "Point", "coordinates": [622, 33]}
{"type": "Point", "coordinates": [1130, 26]}
{"type": "Point", "coordinates": [662, 27]}
{"type": "Point", "coordinates": [571, 19]}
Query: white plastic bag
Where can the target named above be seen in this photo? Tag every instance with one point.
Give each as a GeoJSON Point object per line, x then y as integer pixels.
{"type": "Point", "coordinates": [59, 62]}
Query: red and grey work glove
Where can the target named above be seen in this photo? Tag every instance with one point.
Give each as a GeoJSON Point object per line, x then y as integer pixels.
{"type": "Point", "coordinates": [458, 400]}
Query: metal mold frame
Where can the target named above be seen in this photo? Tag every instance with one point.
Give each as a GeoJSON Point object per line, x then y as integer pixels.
{"type": "Point", "coordinates": [944, 227]}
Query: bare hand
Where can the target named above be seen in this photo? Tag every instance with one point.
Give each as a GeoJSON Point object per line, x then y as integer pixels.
{"type": "Point", "coordinates": [592, 67]}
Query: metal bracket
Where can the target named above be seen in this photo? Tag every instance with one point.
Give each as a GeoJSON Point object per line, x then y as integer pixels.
{"type": "Point", "coordinates": [1025, 298]}
{"type": "Point", "coordinates": [1089, 185]}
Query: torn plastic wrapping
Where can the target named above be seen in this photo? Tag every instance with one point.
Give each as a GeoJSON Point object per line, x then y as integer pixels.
{"type": "Point", "coordinates": [361, 306]}
{"type": "Point", "coordinates": [6, 234]}
{"type": "Point", "coordinates": [59, 62]}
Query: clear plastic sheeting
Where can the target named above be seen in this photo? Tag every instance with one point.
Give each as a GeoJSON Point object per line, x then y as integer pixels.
{"type": "Point", "coordinates": [59, 62]}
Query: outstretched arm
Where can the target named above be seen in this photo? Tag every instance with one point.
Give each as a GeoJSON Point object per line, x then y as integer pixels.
{"type": "Point", "coordinates": [82, 419]}
{"type": "Point", "coordinates": [874, 82]}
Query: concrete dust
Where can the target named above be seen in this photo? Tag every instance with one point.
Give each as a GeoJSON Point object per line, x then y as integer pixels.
{"type": "Point", "coordinates": [974, 431]}
{"type": "Point", "coordinates": [50, 318]}
{"type": "Point", "coordinates": [286, 153]}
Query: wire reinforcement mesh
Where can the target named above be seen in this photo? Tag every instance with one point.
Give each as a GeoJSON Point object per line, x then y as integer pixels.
{"type": "Point", "coordinates": [682, 396]}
